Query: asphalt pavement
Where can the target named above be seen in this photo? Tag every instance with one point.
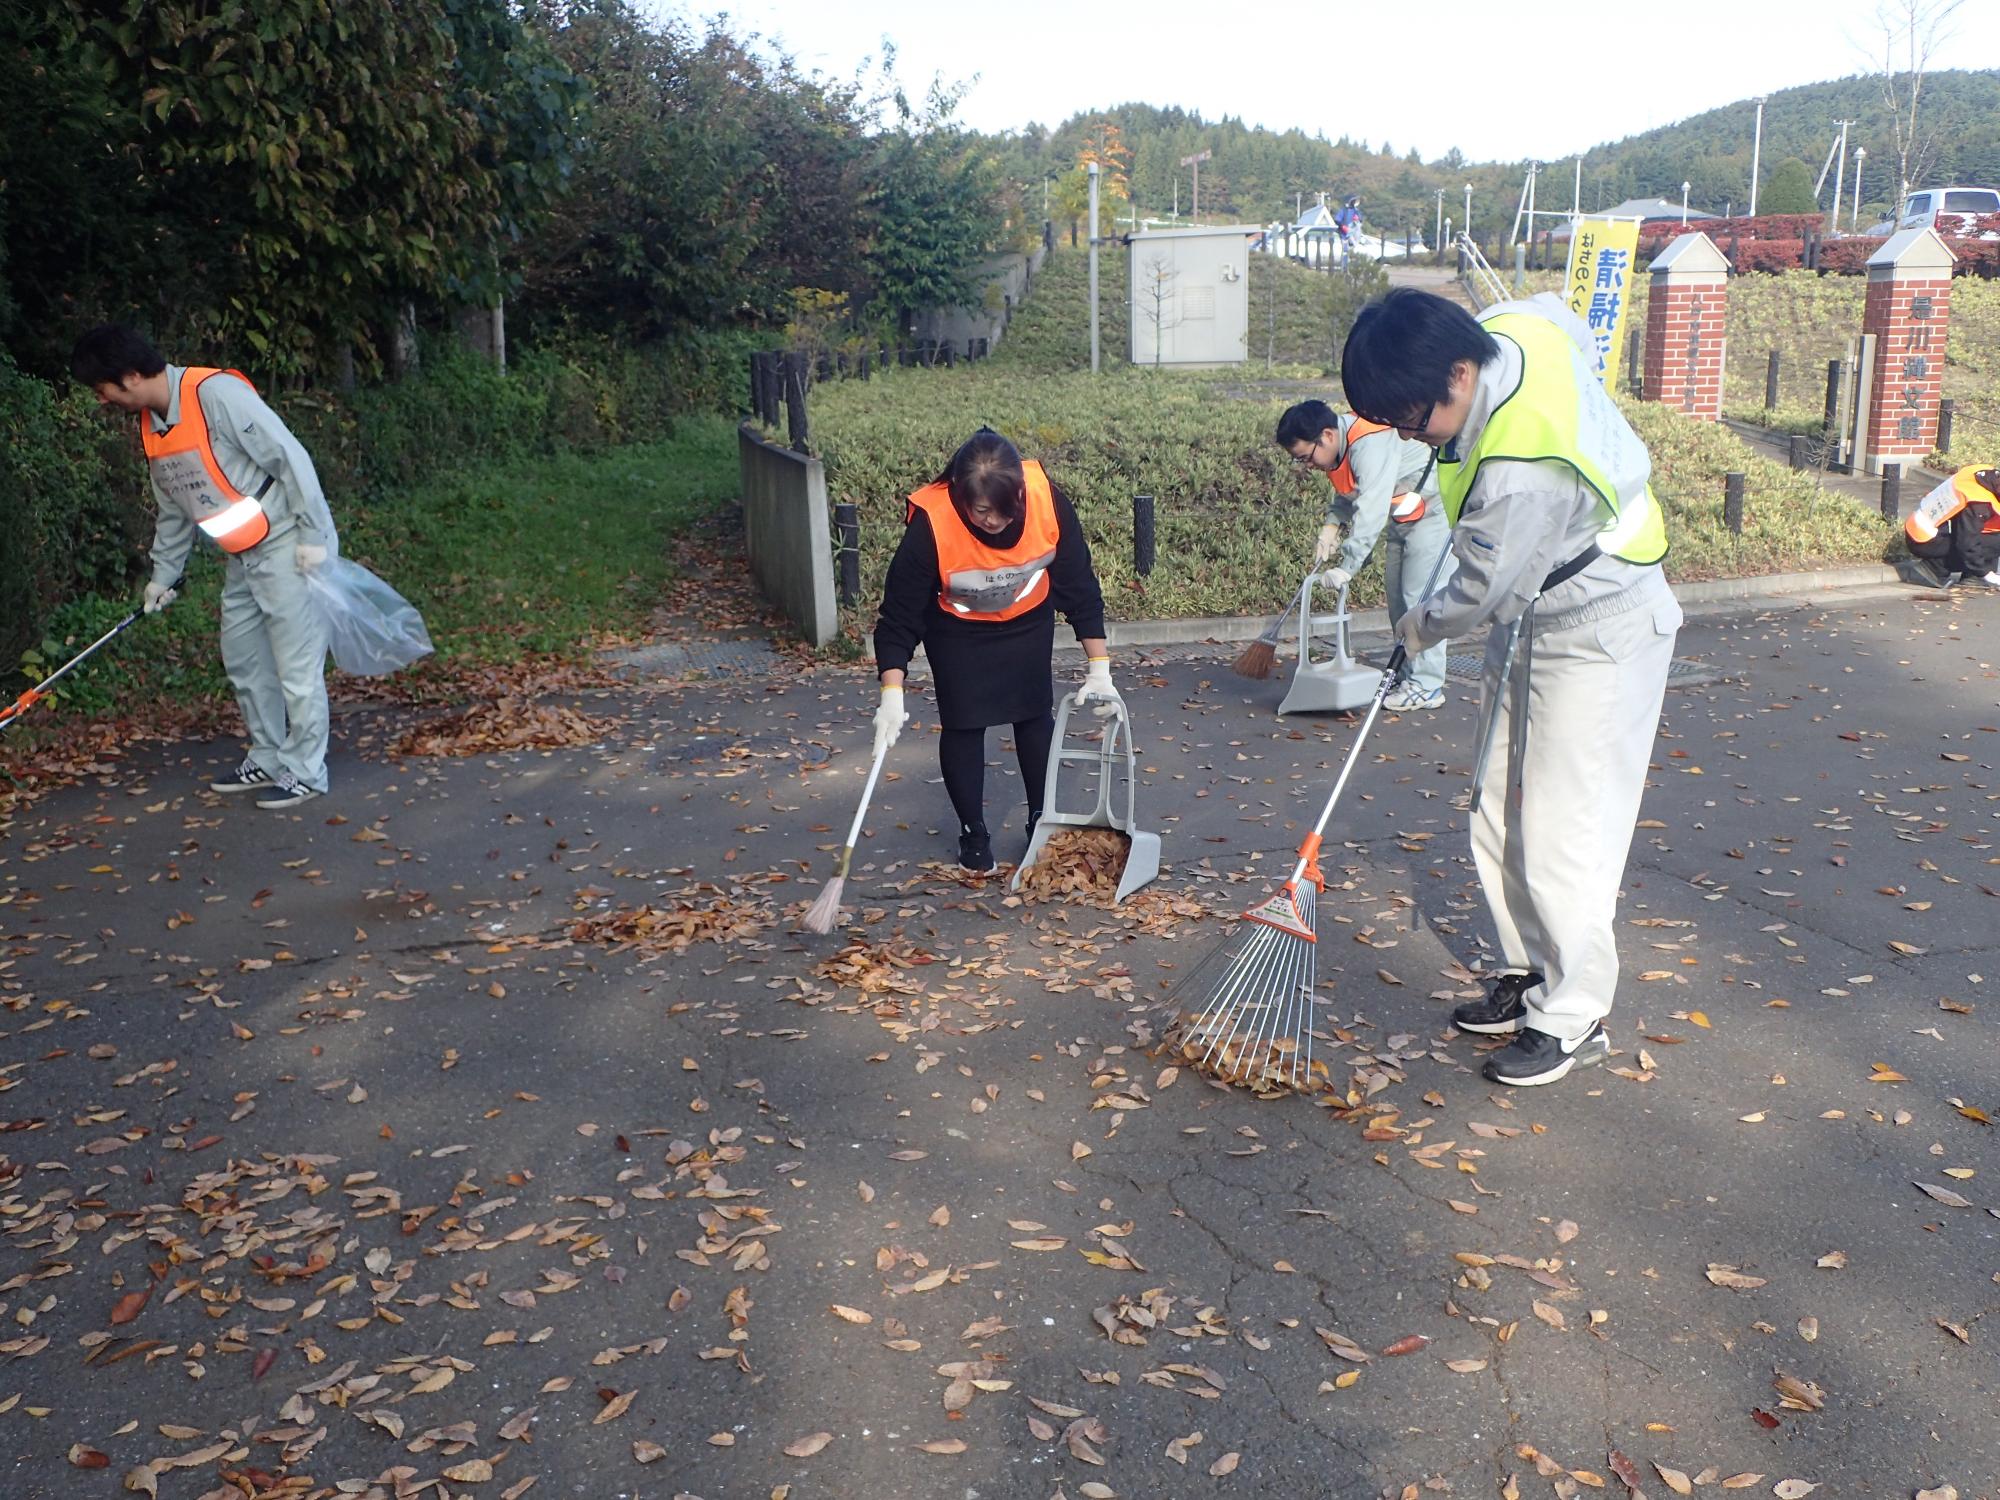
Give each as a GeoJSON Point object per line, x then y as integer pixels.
{"type": "Point", "coordinates": [488, 1127]}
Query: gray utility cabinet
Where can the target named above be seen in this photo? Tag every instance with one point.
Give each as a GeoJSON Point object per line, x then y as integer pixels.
{"type": "Point", "coordinates": [1190, 296]}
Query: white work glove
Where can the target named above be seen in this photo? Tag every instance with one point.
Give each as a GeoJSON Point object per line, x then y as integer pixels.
{"type": "Point", "coordinates": [308, 556]}
{"type": "Point", "coordinates": [890, 718]}
{"type": "Point", "coordinates": [1406, 632]}
{"type": "Point", "coordinates": [1336, 578]}
{"type": "Point", "coordinates": [159, 596]}
{"type": "Point", "coordinates": [1097, 688]}
{"type": "Point", "coordinates": [1327, 545]}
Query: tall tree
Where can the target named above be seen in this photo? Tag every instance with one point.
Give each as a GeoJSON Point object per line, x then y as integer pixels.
{"type": "Point", "coordinates": [935, 206]}
{"type": "Point", "coordinates": [1912, 31]}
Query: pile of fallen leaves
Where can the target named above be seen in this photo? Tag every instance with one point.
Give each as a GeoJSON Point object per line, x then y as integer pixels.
{"type": "Point", "coordinates": [1078, 864]}
{"type": "Point", "coordinates": [1248, 1046]}
{"type": "Point", "coordinates": [504, 724]}
{"type": "Point", "coordinates": [874, 968]}
{"type": "Point", "coordinates": [700, 914]}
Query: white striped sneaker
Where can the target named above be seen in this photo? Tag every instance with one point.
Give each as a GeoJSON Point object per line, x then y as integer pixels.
{"type": "Point", "coordinates": [291, 792]}
{"type": "Point", "coordinates": [248, 777]}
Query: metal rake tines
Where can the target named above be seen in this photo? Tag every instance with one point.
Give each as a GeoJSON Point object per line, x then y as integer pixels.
{"type": "Point", "coordinates": [1255, 1026]}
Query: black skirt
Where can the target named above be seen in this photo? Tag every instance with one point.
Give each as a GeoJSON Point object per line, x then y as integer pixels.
{"type": "Point", "coordinates": [987, 672]}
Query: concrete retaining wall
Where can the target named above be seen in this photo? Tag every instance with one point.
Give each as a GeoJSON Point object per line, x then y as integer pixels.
{"type": "Point", "coordinates": [788, 536]}
{"type": "Point", "coordinates": [1006, 281]}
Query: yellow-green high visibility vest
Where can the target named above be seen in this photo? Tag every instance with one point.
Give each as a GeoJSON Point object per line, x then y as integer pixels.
{"type": "Point", "coordinates": [1559, 413]}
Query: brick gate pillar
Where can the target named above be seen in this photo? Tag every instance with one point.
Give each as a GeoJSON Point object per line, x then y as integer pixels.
{"type": "Point", "coordinates": [1686, 323]}
{"type": "Point", "coordinates": [1909, 308]}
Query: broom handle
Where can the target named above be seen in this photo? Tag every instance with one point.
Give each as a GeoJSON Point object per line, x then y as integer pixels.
{"type": "Point", "coordinates": [867, 791]}
{"type": "Point", "coordinates": [1309, 849]}
{"type": "Point", "coordinates": [1276, 628]}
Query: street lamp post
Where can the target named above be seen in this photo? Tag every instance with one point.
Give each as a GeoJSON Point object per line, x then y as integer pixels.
{"type": "Point", "coordinates": [1756, 154]}
{"type": "Point", "coordinates": [1684, 206]}
{"type": "Point", "coordinates": [1466, 227]}
{"type": "Point", "coordinates": [1860, 160]}
{"type": "Point", "coordinates": [1195, 161]}
{"type": "Point", "coordinates": [1437, 234]}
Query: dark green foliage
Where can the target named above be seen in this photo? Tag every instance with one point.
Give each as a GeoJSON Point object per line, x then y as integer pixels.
{"type": "Point", "coordinates": [1788, 189]}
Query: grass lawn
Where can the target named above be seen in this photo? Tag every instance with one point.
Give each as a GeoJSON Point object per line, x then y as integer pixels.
{"type": "Point", "coordinates": [1235, 518]}
{"type": "Point", "coordinates": [535, 559]}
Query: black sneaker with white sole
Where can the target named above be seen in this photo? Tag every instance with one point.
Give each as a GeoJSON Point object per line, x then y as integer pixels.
{"type": "Point", "coordinates": [248, 777]}
{"type": "Point", "coordinates": [1503, 1011]}
{"type": "Point", "coordinates": [1535, 1057]}
{"type": "Point", "coordinates": [289, 792]}
{"type": "Point", "coordinates": [975, 849]}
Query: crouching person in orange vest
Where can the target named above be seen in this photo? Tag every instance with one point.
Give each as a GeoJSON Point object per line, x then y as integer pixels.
{"type": "Point", "coordinates": [991, 550]}
{"type": "Point", "coordinates": [225, 466]}
{"type": "Point", "coordinates": [1956, 527]}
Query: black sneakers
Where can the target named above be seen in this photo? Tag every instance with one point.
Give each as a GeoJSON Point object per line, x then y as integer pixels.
{"type": "Point", "coordinates": [975, 848]}
{"type": "Point", "coordinates": [248, 777]}
{"type": "Point", "coordinates": [1503, 1011]}
{"type": "Point", "coordinates": [1535, 1057]}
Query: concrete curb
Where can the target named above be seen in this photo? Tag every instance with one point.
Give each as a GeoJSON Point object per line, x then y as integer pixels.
{"type": "Point", "coordinates": [1776, 587]}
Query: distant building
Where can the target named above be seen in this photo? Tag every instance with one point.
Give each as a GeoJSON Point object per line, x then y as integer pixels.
{"type": "Point", "coordinates": [1646, 210]}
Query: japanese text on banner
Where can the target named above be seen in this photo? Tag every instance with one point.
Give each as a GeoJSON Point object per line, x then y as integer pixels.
{"type": "Point", "coordinates": [1598, 284]}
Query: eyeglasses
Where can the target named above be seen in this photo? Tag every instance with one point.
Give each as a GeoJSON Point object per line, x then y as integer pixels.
{"type": "Point", "coordinates": [1422, 424]}
{"type": "Point", "coordinates": [1305, 460]}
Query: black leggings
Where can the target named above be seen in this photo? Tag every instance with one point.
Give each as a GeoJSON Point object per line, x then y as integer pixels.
{"type": "Point", "coordinates": [962, 757]}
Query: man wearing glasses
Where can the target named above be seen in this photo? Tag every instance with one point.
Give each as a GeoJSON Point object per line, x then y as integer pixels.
{"type": "Point", "coordinates": [1558, 541]}
{"type": "Point", "coordinates": [1383, 485]}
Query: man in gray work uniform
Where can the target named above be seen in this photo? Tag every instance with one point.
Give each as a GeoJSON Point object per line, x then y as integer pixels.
{"type": "Point", "coordinates": [1383, 490]}
{"type": "Point", "coordinates": [224, 465]}
{"type": "Point", "coordinates": [1559, 539]}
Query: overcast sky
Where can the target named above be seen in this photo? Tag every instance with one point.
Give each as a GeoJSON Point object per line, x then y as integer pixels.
{"type": "Point", "coordinates": [1435, 74]}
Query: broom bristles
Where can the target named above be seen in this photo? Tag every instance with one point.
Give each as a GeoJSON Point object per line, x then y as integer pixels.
{"type": "Point", "coordinates": [1257, 660]}
{"type": "Point", "coordinates": [825, 910]}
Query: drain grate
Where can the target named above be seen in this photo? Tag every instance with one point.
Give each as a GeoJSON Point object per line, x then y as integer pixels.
{"type": "Point", "coordinates": [1682, 673]}
{"type": "Point", "coordinates": [711, 658]}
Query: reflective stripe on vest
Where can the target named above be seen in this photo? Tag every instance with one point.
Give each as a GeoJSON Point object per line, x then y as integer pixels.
{"type": "Point", "coordinates": [1936, 510]}
{"type": "Point", "coordinates": [978, 581]}
{"type": "Point", "coordinates": [1560, 413]}
{"type": "Point", "coordinates": [185, 470]}
{"type": "Point", "coordinates": [1407, 508]}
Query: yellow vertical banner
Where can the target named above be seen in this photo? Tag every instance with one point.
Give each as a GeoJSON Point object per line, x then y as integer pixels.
{"type": "Point", "coordinates": [1598, 287]}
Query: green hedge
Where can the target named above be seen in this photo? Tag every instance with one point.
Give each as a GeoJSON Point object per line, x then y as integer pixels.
{"type": "Point", "coordinates": [75, 481]}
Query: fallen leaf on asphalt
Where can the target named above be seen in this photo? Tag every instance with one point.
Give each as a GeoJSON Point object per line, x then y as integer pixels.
{"type": "Point", "coordinates": [1809, 1328]}
{"type": "Point", "coordinates": [1674, 1479]}
{"type": "Point", "coordinates": [722, 1440]}
{"type": "Point", "coordinates": [127, 1307]}
{"type": "Point", "coordinates": [1177, 1448]}
{"type": "Point", "coordinates": [851, 1314]}
{"type": "Point", "coordinates": [1732, 1278]}
{"type": "Point", "coordinates": [1566, 1231]}
{"type": "Point", "coordinates": [1793, 1489]}
{"type": "Point", "coordinates": [1833, 1260]}
{"type": "Point", "coordinates": [1798, 1395]}
{"type": "Point", "coordinates": [615, 1407]}
{"type": "Point", "coordinates": [472, 1471]}
{"type": "Point", "coordinates": [1464, 1366]}
{"type": "Point", "coordinates": [942, 1445]}
{"type": "Point", "coordinates": [1944, 1195]}
{"type": "Point", "coordinates": [1042, 1242]}
{"type": "Point", "coordinates": [83, 1456]}
{"type": "Point", "coordinates": [1626, 1470]}
{"type": "Point", "coordinates": [1410, 1343]}
{"type": "Point", "coordinates": [143, 1481]}
{"type": "Point", "coordinates": [1742, 1481]}
{"type": "Point", "coordinates": [1550, 1315]}
{"type": "Point", "coordinates": [1942, 1492]}
{"type": "Point", "coordinates": [648, 1452]}
{"type": "Point", "coordinates": [808, 1445]}
{"type": "Point", "coordinates": [1954, 1330]}
{"type": "Point", "coordinates": [1224, 1465]}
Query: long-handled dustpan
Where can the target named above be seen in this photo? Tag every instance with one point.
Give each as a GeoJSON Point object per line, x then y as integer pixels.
{"type": "Point", "coordinates": [1322, 683]}
{"type": "Point", "coordinates": [1116, 792]}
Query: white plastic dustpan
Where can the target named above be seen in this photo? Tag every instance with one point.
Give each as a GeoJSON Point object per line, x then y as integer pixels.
{"type": "Point", "coordinates": [1321, 683]}
{"type": "Point", "coordinates": [1117, 766]}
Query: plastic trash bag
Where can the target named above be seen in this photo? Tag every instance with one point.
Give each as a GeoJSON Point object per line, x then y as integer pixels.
{"type": "Point", "coordinates": [371, 629]}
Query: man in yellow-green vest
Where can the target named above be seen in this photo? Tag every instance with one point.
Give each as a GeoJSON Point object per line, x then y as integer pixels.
{"type": "Point", "coordinates": [1558, 540]}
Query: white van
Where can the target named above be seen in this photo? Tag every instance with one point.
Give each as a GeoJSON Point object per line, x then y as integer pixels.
{"type": "Point", "coordinates": [1941, 209]}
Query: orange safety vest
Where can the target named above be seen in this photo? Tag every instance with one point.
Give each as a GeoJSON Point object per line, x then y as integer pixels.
{"type": "Point", "coordinates": [185, 470]}
{"type": "Point", "coordinates": [1937, 509]}
{"type": "Point", "coordinates": [978, 581]}
{"type": "Point", "coordinates": [1405, 508]}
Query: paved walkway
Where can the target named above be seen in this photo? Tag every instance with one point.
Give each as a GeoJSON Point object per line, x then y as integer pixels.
{"type": "Point", "coordinates": [490, 1121]}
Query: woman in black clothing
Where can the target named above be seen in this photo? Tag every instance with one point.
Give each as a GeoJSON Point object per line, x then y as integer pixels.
{"type": "Point", "coordinates": [991, 550]}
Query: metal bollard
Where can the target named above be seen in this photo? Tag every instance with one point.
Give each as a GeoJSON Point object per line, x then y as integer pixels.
{"type": "Point", "coordinates": [847, 538]}
{"type": "Point", "coordinates": [1892, 492]}
{"type": "Point", "coordinates": [1797, 457]}
{"type": "Point", "coordinates": [1835, 372]}
{"type": "Point", "coordinates": [1771, 383]}
{"type": "Point", "coordinates": [793, 367]}
{"type": "Point", "coordinates": [1732, 502]}
{"type": "Point", "coordinates": [1945, 410]}
{"type": "Point", "coordinates": [1142, 535]}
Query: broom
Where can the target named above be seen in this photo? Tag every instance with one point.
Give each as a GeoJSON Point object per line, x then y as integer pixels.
{"type": "Point", "coordinates": [825, 910]}
{"type": "Point", "coordinates": [1262, 654]}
